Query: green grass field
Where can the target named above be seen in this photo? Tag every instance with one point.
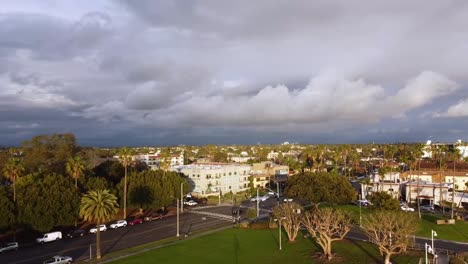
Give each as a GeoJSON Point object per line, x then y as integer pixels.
{"type": "Point", "coordinates": [456, 232]}
{"type": "Point", "coordinates": [258, 246]}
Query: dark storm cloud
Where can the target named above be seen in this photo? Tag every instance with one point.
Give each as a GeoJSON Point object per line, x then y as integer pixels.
{"type": "Point", "coordinates": [168, 72]}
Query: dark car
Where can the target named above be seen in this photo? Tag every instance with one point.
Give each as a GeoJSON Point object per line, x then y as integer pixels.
{"type": "Point", "coordinates": [133, 221]}
{"type": "Point", "coordinates": [159, 214]}
{"type": "Point", "coordinates": [76, 233]}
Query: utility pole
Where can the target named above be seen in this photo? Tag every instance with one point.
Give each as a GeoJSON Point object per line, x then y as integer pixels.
{"type": "Point", "coordinates": [258, 204]}
{"type": "Point", "coordinates": [177, 235]}
{"type": "Point", "coordinates": [181, 197]}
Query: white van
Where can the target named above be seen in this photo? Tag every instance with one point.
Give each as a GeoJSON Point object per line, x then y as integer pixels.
{"type": "Point", "coordinates": [48, 237]}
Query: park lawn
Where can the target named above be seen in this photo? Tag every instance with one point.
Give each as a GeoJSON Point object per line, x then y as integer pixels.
{"type": "Point", "coordinates": [456, 232]}
{"type": "Point", "coordinates": [257, 246]}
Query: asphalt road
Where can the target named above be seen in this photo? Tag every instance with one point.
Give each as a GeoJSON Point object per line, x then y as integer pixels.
{"type": "Point", "coordinates": [112, 240]}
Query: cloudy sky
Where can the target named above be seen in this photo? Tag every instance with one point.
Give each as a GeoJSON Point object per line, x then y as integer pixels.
{"type": "Point", "coordinates": [194, 72]}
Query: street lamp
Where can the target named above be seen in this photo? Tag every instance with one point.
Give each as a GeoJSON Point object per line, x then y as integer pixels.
{"type": "Point", "coordinates": [360, 206]}
{"type": "Point", "coordinates": [182, 197]}
{"type": "Point", "coordinates": [177, 201]}
{"type": "Point", "coordinates": [279, 230]}
{"type": "Point", "coordinates": [433, 234]}
{"type": "Point", "coordinates": [426, 249]}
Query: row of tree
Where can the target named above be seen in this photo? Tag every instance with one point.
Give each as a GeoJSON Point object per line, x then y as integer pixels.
{"type": "Point", "coordinates": [45, 178]}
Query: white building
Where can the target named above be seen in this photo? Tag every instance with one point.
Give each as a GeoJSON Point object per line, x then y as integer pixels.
{"type": "Point", "coordinates": [462, 148]}
{"type": "Point", "coordinates": [241, 159]}
{"type": "Point", "coordinates": [154, 160]}
{"type": "Point", "coordinates": [211, 179]}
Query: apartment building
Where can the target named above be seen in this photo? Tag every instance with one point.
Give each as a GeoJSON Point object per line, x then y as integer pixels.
{"type": "Point", "coordinates": [154, 160]}
{"type": "Point", "coordinates": [215, 178]}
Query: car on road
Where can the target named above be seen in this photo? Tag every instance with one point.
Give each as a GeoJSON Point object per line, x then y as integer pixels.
{"type": "Point", "coordinates": [135, 221]}
{"type": "Point", "coordinates": [190, 203]}
{"type": "Point", "coordinates": [49, 237]}
{"type": "Point", "coordinates": [155, 216]}
{"type": "Point", "coordinates": [76, 233]}
{"type": "Point", "coordinates": [59, 260]}
{"type": "Point", "coordinates": [102, 228]}
{"type": "Point", "coordinates": [260, 198]}
{"type": "Point", "coordinates": [9, 247]}
{"type": "Point", "coordinates": [118, 223]}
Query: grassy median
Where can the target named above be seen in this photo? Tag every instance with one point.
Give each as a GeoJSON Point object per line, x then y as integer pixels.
{"type": "Point", "coordinates": [258, 246]}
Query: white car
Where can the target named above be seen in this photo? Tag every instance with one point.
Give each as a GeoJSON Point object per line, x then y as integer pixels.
{"type": "Point", "coordinates": [119, 223]}
{"type": "Point", "coordinates": [406, 208]}
{"type": "Point", "coordinates": [190, 203]}
{"type": "Point", "coordinates": [102, 228]}
{"type": "Point", "coordinates": [288, 200]}
{"type": "Point", "coordinates": [9, 247]}
{"type": "Point", "coordinates": [59, 260]}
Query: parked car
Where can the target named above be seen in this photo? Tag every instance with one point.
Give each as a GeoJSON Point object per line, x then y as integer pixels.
{"type": "Point", "coordinates": [406, 208]}
{"type": "Point", "coordinates": [102, 228]}
{"type": "Point", "coordinates": [118, 223]}
{"type": "Point", "coordinates": [200, 200]}
{"type": "Point", "coordinates": [76, 233]}
{"type": "Point", "coordinates": [427, 208]}
{"type": "Point", "coordinates": [9, 247]}
{"type": "Point", "coordinates": [48, 237]}
{"type": "Point", "coordinates": [59, 260]}
{"type": "Point", "coordinates": [363, 202]}
{"type": "Point", "coordinates": [190, 203]}
{"type": "Point", "coordinates": [135, 221]}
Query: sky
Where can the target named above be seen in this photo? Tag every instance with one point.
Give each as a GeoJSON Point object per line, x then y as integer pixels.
{"type": "Point", "coordinates": [134, 73]}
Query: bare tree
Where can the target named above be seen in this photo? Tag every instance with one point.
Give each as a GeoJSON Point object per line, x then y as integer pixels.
{"type": "Point", "coordinates": [290, 213]}
{"type": "Point", "coordinates": [391, 231]}
{"type": "Point", "coordinates": [326, 225]}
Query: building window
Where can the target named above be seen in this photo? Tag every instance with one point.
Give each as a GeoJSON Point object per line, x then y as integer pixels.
{"type": "Point", "coordinates": [235, 173]}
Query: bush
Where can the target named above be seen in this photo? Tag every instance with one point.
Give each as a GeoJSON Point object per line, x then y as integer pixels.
{"type": "Point", "coordinates": [456, 260]}
{"type": "Point", "coordinates": [260, 225]}
{"type": "Point", "coordinates": [244, 224]}
{"type": "Point", "coordinates": [251, 213]}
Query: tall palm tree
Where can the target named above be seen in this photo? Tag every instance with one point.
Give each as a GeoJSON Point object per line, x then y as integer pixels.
{"type": "Point", "coordinates": [13, 170]}
{"type": "Point", "coordinates": [125, 157]}
{"type": "Point", "coordinates": [455, 155]}
{"type": "Point", "coordinates": [75, 168]}
{"type": "Point", "coordinates": [98, 207]}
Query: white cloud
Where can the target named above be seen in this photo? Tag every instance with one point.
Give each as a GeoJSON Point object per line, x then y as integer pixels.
{"type": "Point", "coordinates": [458, 110]}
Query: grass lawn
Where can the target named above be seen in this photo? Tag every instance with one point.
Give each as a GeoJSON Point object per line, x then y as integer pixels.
{"type": "Point", "coordinates": [456, 232]}
{"type": "Point", "coordinates": [258, 246]}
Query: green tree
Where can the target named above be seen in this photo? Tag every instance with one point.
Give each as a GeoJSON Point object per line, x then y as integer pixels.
{"type": "Point", "coordinates": [383, 201]}
{"type": "Point", "coordinates": [220, 157]}
{"type": "Point", "coordinates": [320, 187]}
{"type": "Point", "coordinates": [125, 157]}
{"type": "Point", "coordinates": [75, 168]}
{"type": "Point", "coordinates": [48, 153]}
{"type": "Point", "coordinates": [98, 207]}
{"type": "Point", "coordinates": [7, 208]}
{"type": "Point", "coordinates": [47, 201]}
{"type": "Point", "coordinates": [13, 170]}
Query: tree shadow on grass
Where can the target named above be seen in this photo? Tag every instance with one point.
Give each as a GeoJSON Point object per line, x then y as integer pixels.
{"type": "Point", "coordinates": [363, 249]}
{"type": "Point", "coordinates": [236, 248]}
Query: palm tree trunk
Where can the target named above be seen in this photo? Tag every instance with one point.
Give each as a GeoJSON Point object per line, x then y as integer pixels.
{"type": "Point", "coordinates": [98, 241]}
{"type": "Point", "coordinates": [125, 193]}
{"type": "Point", "coordinates": [76, 183]}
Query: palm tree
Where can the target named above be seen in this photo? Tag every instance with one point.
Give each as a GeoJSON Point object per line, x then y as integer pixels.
{"type": "Point", "coordinates": [75, 168]}
{"type": "Point", "coordinates": [13, 170]}
{"type": "Point", "coordinates": [125, 157]}
{"type": "Point", "coordinates": [98, 207]}
{"type": "Point", "coordinates": [455, 155]}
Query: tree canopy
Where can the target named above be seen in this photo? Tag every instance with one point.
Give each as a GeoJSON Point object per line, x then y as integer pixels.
{"type": "Point", "coordinates": [320, 187]}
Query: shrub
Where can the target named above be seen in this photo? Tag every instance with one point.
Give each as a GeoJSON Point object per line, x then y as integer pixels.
{"type": "Point", "coordinates": [244, 224]}
{"type": "Point", "coordinates": [260, 225]}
